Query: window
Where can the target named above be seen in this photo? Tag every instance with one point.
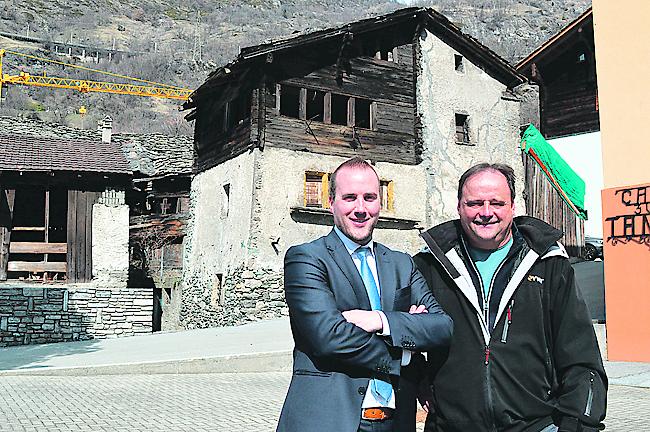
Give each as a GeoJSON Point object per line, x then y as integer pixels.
{"type": "Point", "coordinates": [462, 129]}
{"type": "Point", "coordinates": [387, 55]}
{"type": "Point", "coordinates": [315, 105]}
{"type": "Point", "coordinates": [386, 195]}
{"type": "Point", "coordinates": [316, 193]}
{"type": "Point", "coordinates": [362, 114]}
{"type": "Point", "coordinates": [340, 109]}
{"type": "Point", "coordinates": [226, 202]}
{"type": "Point", "coordinates": [458, 63]}
{"type": "Point", "coordinates": [324, 107]}
{"type": "Point", "coordinates": [289, 101]}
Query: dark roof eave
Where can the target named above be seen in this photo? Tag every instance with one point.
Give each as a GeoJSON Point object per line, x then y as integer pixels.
{"type": "Point", "coordinates": [548, 46]}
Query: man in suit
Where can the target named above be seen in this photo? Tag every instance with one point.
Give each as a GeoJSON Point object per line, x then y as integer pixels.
{"type": "Point", "coordinates": [358, 310]}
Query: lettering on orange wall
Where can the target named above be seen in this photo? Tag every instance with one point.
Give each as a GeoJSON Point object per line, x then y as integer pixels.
{"type": "Point", "coordinates": [635, 224]}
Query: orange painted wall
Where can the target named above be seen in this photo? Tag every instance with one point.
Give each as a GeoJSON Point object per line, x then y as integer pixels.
{"type": "Point", "coordinates": [621, 35]}
{"type": "Point", "coordinates": [626, 231]}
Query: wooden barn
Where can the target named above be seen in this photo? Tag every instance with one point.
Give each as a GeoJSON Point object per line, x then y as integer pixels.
{"type": "Point", "coordinates": [564, 68]}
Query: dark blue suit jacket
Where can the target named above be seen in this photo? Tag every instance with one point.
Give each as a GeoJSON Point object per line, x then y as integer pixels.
{"type": "Point", "coordinates": [333, 359]}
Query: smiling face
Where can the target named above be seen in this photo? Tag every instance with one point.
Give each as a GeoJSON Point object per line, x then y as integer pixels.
{"type": "Point", "coordinates": [356, 204]}
{"type": "Point", "coordinates": [486, 210]}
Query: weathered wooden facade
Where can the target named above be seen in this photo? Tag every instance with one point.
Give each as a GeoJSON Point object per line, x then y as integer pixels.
{"type": "Point", "coordinates": [564, 67]}
{"type": "Point", "coordinates": [407, 91]}
{"type": "Point", "coordinates": [48, 188]}
{"type": "Point", "coordinates": [544, 202]}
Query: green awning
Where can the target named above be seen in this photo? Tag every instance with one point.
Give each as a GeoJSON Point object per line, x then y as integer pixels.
{"type": "Point", "coordinates": [563, 178]}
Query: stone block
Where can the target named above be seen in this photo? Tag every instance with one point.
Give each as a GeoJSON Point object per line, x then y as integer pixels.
{"type": "Point", "coordinates": [103, 294]}
{"type": "Point", "coordinates": [33, 292]}
{"type": "Point", "coordinates": [143, 301]}
{"type": "Point", "coordinates": [253, 283]}
{"type": "Point", "coordinates": [247, 274]}
{"type": "Point", "coordinates": [47, 326]}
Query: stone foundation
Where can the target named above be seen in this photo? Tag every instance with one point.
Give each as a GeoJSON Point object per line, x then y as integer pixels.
{"type": "Point", "coordinates": [35, 314]}
{"type": "Point", "coordinates": [243, 296]}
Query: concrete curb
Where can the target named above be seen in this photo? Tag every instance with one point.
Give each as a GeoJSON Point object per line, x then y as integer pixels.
{"type": "Point", "coordinates": [280, 361]}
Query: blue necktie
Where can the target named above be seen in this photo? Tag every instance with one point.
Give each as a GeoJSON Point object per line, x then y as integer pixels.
{"type": "Point", "coordinates": [381, 390]}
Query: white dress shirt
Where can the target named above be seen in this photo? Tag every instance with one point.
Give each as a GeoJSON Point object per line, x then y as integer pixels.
{"type": "Point", "coordinates": [369, 401]}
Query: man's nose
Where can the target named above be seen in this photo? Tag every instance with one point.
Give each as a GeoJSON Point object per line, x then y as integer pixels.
{"type": "Point", "coordinates": [360, 206]}
{"type": "Point", "coordinates": [486, 210]}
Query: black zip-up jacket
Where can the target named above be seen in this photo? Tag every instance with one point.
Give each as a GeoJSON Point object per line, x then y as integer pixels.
{"type": "Point", "coordinates": [526, 358]}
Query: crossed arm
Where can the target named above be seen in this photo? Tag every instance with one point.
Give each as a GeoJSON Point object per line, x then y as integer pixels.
{"type": "Point", "coordinates": [337, 335]}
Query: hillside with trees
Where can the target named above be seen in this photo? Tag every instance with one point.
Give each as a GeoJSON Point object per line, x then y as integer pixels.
{"type": "Point", "coordinates": [180, 42]}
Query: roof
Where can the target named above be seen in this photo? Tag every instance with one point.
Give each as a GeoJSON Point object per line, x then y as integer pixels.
{"type": "Point", "coordinates": [554, 42]}
{"type": "Point", "coordinates": [147, 154]}
{"type": "Point", "coordinates": [34, 153]}
{"type": "Point", "coordinates": [251, 60]}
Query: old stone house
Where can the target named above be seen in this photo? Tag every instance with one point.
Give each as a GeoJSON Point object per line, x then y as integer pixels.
{"type": "Point", "coordinates": [67, 232]}
{"type": "Point", "coordinates": [408, 91]}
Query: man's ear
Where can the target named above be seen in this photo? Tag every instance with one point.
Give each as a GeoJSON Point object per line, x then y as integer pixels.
{"type": "Point", "coordinates": [330, 200]}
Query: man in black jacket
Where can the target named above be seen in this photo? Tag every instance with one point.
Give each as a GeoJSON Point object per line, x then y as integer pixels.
{"type": "Point", "coordinates": [524, 355]}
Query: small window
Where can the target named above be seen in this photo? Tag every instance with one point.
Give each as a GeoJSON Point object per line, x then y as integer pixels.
{"type": "Point", "coordinates": [315, 105]}
{"type": "Point", "coordinates": [316, 193]}
{"type": "Point", "coordinates": [362, 113]}
{"type": "Point", "coordinates": [226, 202]}
{"type": "Point", "coordinates": [386, 195]}
{"type": "Point", "coordinates": [340, 109]}
{"type": "Point", "coordinates": [458, 63]}
{"type": "Point", "coordinates": [462, 129]}
{"type": "Point", "coordinates": [289, 101]}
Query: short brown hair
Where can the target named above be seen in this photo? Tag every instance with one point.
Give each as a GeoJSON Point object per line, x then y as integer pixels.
{"type": "Point", "coordinates": [504, 169]}
{"type": "Point", "coordinates": [355, 162]}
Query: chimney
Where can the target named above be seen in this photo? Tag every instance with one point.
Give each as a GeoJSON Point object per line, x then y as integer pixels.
{"type": "Point", "coordinates": [107, 129]}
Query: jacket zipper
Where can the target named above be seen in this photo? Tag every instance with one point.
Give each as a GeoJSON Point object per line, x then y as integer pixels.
{"type": "Point", "coordinates": [590, 396]}
{"type": "Point", "coordinates": [506, 324]}
{"type": "Point", "coordinates": [488, 386]}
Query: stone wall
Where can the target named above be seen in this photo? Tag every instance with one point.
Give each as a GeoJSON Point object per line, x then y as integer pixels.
{"type": "Point", "coordinates": [43, 314]}
{"type": "Point", "coordinates": [493, 118]}
{"type": "Point", "coordinates": [244, 295]}
{"type": "Point", "coordinates": [110, 239]}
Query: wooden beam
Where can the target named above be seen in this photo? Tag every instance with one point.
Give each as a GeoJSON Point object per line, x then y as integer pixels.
{"type": "Point", "coordinates": [38, 248]}
{"type": "Point", "coordinates": [27, 266]}
{"type": "Point", "coordinates": [6, 222]}
{"type": "Point", "coordinates": [28, 228]}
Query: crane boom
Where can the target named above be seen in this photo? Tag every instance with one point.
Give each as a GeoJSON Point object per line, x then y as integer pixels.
{"type": "Point", "coordinates": [85, 86]}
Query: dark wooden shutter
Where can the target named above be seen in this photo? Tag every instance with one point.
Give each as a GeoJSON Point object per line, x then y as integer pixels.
{"type": "Point", "coordinates": [6, 223]}
{"type": "Point", "coordinates": [80, 216]}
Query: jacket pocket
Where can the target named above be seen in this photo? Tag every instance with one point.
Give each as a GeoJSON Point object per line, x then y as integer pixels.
{"type": "Point", "coordinates": [305, 372]}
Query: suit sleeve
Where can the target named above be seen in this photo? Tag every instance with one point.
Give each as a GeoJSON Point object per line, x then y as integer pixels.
{"type": "Point", "coordinates": [581, 379]}
{"type": "Point", "coordinates": [322, 327]}
{"type": "Point", "coordinates": [420, 332]}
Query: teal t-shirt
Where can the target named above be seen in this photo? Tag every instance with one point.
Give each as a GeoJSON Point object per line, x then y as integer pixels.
{"type": "Point", "coordinates": [487, 262]}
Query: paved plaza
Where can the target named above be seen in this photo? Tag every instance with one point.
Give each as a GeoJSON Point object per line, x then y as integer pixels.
{"type": "Point", "coordinates": [242, 402]}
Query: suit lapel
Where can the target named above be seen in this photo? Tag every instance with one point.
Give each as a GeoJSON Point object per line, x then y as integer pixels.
{"type": "Point", "coordinates": [343, 260]}
{"type": "Point", "coordinates": [386, 274]}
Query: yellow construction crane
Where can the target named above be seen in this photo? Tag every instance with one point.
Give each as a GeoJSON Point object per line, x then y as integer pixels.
{"type": "Point", "coordinates": [153, 89]}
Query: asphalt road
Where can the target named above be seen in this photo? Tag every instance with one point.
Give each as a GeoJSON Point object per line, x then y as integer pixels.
{"type": "Point", "coordinates": [590, 279]}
